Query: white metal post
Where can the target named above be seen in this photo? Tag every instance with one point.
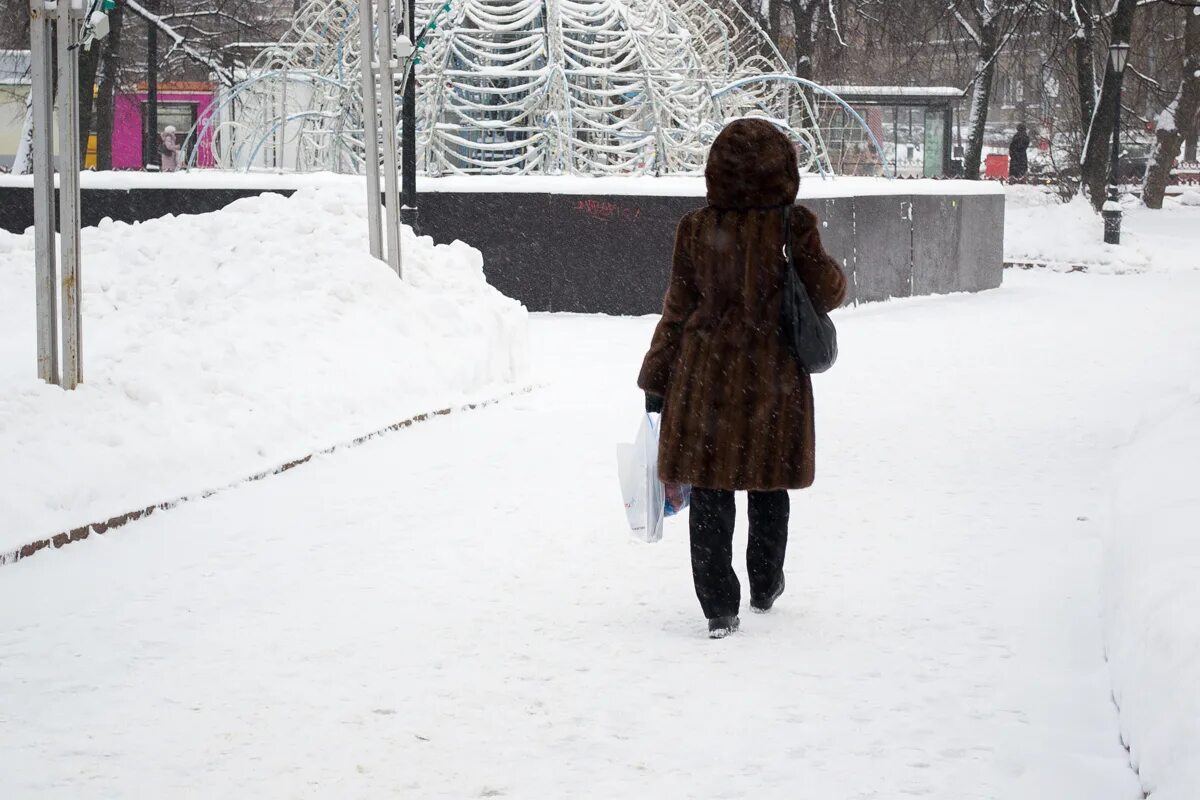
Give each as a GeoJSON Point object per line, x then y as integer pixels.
{"type": "Point", "coordinates": [44, 206]}
{"type": "Point", "coordinates": [387, 88]}
{"type": "Point", "coordinates": [368, 60]}
{"type": "Point", "coordinates": [69, 14]}
{"type": "Point", "coordinates": [281, 138]}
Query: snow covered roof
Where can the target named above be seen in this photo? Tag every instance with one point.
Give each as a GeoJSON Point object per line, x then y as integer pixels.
{"type": "Point", "coordinates": [14, 67]}
{"type": "Point", "coordinates": [878, 93]}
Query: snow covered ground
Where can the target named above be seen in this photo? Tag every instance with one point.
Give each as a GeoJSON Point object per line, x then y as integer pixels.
{"type": "Point", "coordinates": [1039, 228]}
{"type": "Point", "coordinates": [457, 610]}
{"type": "Point", "coordinates": [219, 345]}
{"type": "Point", "coordinates": [1151, 596]}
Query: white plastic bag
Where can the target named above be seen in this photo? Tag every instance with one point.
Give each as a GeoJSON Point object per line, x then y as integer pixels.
{"type": "Point", "coordinates": [647, 501]}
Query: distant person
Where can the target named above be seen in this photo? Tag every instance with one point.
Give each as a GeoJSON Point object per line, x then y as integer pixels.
{"type": "Point", "coordinates": [1018, 158]}
{"type": "Point", "coordinates": [737, 408]}
{"type": "Point", "coordinates": [169, 149]}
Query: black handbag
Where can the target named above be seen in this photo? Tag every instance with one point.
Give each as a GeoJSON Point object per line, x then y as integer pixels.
{"type": "Point", "coordinates": [810, 334]}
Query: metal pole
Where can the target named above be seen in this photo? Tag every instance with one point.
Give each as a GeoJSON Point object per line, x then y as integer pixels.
{"type": "Point", "coordinates": [1111, 211]}
{"type": "Point", "coordinates": [68, 177]}
{"type": "Point", "coordinates": [44, 207]}
{"type": "Point", "coordinates": [281, 138]}
{"type": "Point", "coordinates": [895, 136]}
{"type": "Point", "coordinates": [387, 87]}
{"type": "Point", "coordinates": [152, 158]}
{"type": "Point", "coordinates": [408, 208]}
{"type": "Point", "coordinates": [367, 58]}
{"type": "Point", "coordinates": [947, 139]}
{"type": "Point", "coordinates": [1115, 164]}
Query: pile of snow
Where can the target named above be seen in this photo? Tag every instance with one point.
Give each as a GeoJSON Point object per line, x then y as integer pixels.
{"type": "Point", "coordinates": [1152, 594]}
{"type": "Point", "coordinates": [221, 344]}
{"type": "Point", "coordinates": [1040, 229]}
{"type": "Point", "coordinates": [1189, 197]}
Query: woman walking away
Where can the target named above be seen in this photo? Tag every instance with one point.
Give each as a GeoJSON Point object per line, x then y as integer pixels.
{"type": "Point", "coordinates": [737, 408]}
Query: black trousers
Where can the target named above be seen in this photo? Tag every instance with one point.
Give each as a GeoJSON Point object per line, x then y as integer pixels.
{"type": "Point", "coordinates": [711, 520]}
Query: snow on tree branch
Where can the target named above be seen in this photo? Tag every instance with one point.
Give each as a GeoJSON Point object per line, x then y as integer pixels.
{"type": "Point", "coordinates": [222, 74]}
{"type": "Point", "coordinates": [967, 26]}
{"type": "Point", "coordinates": [836, 30]}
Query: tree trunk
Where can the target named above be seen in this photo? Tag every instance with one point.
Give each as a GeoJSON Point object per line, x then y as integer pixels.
{"type": "Point", "coordinates": [1169, 133]}
{"type": "Point", "coordinates": [775, 20]}
{"type": "Point", "coordinates": [1190, 135]}
{"type": "Point", "coordinates": [88, 61]}
{"type": "Point", "coordinates": [981, 96]}
{"type": "Point", "coordinates": [1099, 138]}
{"type": "Point", "coordinates": [23, 161]}
{"type": "Point", "coordinates": [106, 93]}
{"type": "Point", "coordinates": [804, 14]}
{"type": "Point", "coordinates": [1084, 44]}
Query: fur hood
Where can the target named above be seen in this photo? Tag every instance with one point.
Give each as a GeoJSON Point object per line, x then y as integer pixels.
{"type": "Point", "coordinates": [752, 164]}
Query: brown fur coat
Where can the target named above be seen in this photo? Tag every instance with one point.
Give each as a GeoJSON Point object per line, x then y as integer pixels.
{"type": "Point", "coordinates": [739, 411]}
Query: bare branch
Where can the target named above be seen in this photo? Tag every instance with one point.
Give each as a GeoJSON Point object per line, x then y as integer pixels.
{"type": "Point", "coordinates": [967, 27]}
{"type": "Point", "coordinates": [179, 43]}
{"type": "Point", "coordinates": [837, 31]}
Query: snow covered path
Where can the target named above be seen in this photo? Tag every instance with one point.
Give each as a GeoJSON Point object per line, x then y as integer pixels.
{"type": "Point", "coordinates": [457, 610]}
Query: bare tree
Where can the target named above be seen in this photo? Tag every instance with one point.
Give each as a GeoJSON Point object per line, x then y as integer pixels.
{"type": "Point", "coordinates": [1169, 134]}
{"type": "Point", "coordinates": [205, 53]}
{"type": "Point", "coordinates": [805, 14]}
{"type": "Point", "coordinates": [804, 29]}
{"type": "Point", "coordinates": [991, 25]}
{"type": "Point", "coordinates": [1100, 131]}
{"type": "Point", "coordinates": [16, 37]}
{"type": "Point", "coordinates": [89, 60]}
{"type": "Point", "coordinates": [1083, 42]}
{"type": "Point", "coordinates": [110, 65]}
{"type": "Point", "coordinates": [195, 34]}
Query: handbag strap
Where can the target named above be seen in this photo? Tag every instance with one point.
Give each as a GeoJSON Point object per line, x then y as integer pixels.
{"type": "Point", "coordinates": [787, 239]}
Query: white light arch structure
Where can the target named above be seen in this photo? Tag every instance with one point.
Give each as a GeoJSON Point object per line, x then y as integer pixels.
{"type": "Point", "coordinates": [587, 87]}
{"type": "Point", "coordinates": [829, 96]}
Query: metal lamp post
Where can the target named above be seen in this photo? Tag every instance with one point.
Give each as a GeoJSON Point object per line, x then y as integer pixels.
{"type": "Point", "coordinates": [408, 141]}
{"type": "Point", "coordinates": [1118, 54]}
{"type": "Point", "coordinates": [151, 158]}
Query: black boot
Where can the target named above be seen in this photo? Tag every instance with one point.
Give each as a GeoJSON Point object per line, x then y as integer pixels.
{"type": "Point", "coordinates": [763, 605]}
{"type": "Point", "coordinates": [720, 627]}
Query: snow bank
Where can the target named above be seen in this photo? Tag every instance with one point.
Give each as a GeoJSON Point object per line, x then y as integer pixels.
{"type": "Point", "coordinates": [220, 344]}
{"type": "Point", "coordinates": [1041, 229]}
{"type": "Point", "coordinates": [1152, 594]}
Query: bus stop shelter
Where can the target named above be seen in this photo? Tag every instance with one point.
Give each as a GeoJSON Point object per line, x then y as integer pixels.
{"type": "Point", "coordinates": [915, 124]}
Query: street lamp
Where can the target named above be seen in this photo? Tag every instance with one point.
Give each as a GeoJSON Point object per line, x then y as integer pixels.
{"type": "Point", "coordinates": [1118, 53]}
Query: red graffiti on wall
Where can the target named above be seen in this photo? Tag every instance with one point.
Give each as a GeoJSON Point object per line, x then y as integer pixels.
{"type": "Point", "coordinates": [608, 211]}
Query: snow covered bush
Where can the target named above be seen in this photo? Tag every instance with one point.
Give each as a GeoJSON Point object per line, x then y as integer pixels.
{"type": "Point", "coordinates": [1152, 564]}
{"type": "Point", "coordinates": [222, 343]}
